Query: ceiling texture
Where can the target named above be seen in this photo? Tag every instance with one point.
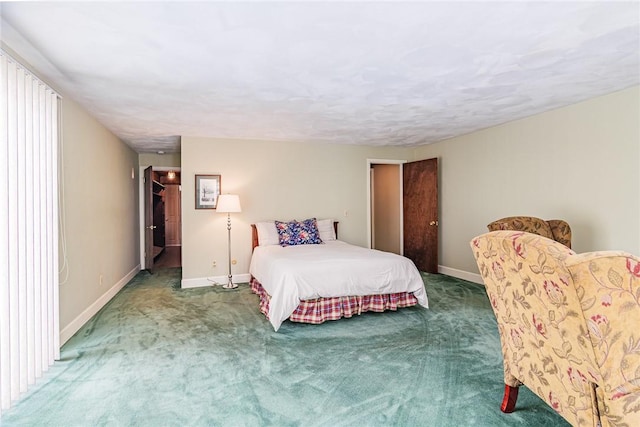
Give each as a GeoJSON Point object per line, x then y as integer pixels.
{"type": "Point", "coordinates": [372, 73]}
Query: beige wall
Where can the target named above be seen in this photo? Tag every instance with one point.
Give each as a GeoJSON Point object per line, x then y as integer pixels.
{"type": "Point", "coordinates": [101, 216]}
{"type": "Point", "coordinates": [579, 163]}
{"type": "Point", "coordinates": [275, 180]}
{"type": "Point", "coordinates": [152, 159]}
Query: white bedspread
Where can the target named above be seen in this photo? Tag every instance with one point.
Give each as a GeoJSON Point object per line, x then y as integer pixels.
{"type": "Point", "coordinates": [293, 273]}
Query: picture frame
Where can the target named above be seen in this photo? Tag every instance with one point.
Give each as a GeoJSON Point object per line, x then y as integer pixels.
{"type": "Point", "coordinates": [207, 191]}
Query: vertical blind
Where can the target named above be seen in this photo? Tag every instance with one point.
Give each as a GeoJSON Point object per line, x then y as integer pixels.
{"type": "Point", "coordinates": [29, 325]}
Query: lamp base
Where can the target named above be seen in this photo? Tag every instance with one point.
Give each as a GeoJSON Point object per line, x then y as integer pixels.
{"type": "Point", "coordinates": [230, 285]}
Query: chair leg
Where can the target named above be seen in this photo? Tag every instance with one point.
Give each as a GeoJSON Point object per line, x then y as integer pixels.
{"type": "Point", "coordinates": [509, 399]}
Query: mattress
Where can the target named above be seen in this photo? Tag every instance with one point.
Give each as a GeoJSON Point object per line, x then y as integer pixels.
{"type": "Point", "coordinates": [292, 274]}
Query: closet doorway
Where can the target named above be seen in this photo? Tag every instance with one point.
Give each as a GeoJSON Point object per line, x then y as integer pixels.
{"type": "Point", "coordinates": [386, 207]}
{"type": "Point", "coordinates": [162, 218]}
{"type": "Point", "coordinates": [403, 209]}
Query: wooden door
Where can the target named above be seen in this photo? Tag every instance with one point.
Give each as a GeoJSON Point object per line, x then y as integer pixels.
{"type": "Point", "coordinates": [172, 215]}
{"type": "Point", "coordinates": [148, 219]}
{"type": "Point", "coordinates": [420, 213]}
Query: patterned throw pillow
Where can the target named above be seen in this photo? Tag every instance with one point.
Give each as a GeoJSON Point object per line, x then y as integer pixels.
{"type": "Point", "coordinates": [298, 232]}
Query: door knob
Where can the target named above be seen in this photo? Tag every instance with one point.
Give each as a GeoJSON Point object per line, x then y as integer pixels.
{"type": "Point", "coordinates": [151, 227]}
{"type": "Point", "coordinates": [433, 223]}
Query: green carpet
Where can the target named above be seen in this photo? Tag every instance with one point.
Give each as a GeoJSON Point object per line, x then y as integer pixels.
{"type": "Point", "coordinates": [158, 355]}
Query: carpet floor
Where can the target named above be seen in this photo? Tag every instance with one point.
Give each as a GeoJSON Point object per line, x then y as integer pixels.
{"type": "Point", "coordinates": [158, 355]}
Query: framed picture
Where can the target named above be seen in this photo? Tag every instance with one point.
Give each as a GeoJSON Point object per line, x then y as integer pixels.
{"type": "Point", "coordinates": [207, 191]}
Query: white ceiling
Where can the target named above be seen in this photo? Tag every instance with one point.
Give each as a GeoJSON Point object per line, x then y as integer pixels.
{"type": "Point", "coordinates": [374, 73]}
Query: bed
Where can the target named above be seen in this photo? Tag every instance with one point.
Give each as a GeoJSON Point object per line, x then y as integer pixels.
{"type": "Point", "coordinates": [313, 283]}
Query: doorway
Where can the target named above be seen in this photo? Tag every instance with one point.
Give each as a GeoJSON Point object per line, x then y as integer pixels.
{"type": "Point", "coordinates": [386, 207]}
{"type": "Point", "coordinates": [161, 230]}
{"type": "Point", "coordinates": [403, 209]}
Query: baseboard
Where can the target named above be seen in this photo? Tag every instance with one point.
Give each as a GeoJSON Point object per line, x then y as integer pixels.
{"type": "Point", "coordinates": [78, 322]}
{"type": "Point", "coordinates": [461, 274]}
{"type": "Point", "coordinates": [200, 282]}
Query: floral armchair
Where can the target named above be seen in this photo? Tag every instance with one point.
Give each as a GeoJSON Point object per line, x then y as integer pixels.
{"type": "Point", "coordinates": [555, 229]}
{"type": "Point", "coordinates": [569, 325]}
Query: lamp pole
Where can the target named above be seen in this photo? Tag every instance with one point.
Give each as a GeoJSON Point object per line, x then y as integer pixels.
{"type": "Point", "coordinates": [230, 284]}
{"type": "Point", "coordinates": [228, 203]}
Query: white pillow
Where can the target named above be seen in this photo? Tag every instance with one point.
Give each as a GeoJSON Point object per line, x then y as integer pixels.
{"type": "Point", "coordinates": [326, 230]}
{"type": "Point", "coordinates": [267, 233]}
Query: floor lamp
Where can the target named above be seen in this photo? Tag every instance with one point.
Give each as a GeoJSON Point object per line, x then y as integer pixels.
{"type": "Point", "coordinates": [228, 203]}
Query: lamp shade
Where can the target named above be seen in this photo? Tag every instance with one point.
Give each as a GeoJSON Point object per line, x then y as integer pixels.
{"type": "Point", "coordinates": [228, 203]}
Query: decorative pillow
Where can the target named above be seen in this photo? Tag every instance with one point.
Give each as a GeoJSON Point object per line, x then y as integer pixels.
{"type": "Point", "coordinates": [298, 233]}
{"type": "Point", "coordinates": [326, 231]}
{"type": "Point", "coordinates": [267, 233]}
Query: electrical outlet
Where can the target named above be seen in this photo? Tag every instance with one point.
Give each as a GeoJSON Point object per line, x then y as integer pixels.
{"type": "Point", "coordinates": [214, 264]}
{"type": "Point", "coordinates": [346, 213]}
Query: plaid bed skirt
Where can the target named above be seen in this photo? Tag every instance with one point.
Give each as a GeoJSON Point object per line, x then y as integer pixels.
{"type": "Point", "coordinates": [320, 310]}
